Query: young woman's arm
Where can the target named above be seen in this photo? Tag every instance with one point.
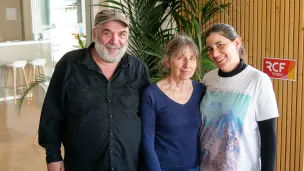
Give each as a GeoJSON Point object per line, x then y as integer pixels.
{"type": "Point", "coordinates": [268, 144]}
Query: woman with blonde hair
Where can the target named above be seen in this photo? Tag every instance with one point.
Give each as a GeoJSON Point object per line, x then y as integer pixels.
{"type": "Point", "coordinates": [170, 112]}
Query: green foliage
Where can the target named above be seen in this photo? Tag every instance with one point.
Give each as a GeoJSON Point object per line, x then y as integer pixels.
{"type": "Point", "coordinates": [81, 39]}
{"type": "Point", "coordinates": [39, 80]}
{"type": "Point", "coordinates": [155, 22]}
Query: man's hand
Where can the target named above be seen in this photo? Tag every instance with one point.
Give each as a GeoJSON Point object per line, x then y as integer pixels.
{"type": "Point", "coordinates": [56, 166]}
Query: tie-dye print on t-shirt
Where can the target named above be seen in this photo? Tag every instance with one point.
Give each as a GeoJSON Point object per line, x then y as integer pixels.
{"type": "Point", "coordinates": [223, 114]}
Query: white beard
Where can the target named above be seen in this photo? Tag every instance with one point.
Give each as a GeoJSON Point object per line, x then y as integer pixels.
{"type": "Point", "coordinates": [104, 54]}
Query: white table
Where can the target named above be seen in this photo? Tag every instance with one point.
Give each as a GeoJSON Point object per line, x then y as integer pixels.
{"type": "Point", "coordinates": [24, 50]}
{"type": "Point", "coordinates": [21, 50]}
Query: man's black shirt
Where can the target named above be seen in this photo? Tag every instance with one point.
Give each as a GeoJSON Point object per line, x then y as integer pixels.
{"type": "Point", "coordinates": [96, 119]}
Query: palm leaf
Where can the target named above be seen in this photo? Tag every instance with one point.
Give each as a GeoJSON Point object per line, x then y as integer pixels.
{"type": "Point", "coordinates": [198, 34]}
{"type": "Point", "coordinates": [39, 80]}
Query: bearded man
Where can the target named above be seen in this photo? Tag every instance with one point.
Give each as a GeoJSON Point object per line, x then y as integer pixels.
{"type": "Point", "coordinates": [92, 103]}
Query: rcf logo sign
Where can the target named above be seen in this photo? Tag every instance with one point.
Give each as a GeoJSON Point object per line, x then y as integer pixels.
{"type": "Point", "coordinates": [280, 68]}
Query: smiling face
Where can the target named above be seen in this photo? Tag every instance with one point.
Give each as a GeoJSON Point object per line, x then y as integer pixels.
{"type": "Point", "coordinates": [182, 65]}
{"type": "Point", "coordinates": [223, 52]}
{"type": "Point", "coordinates": [111, 40]}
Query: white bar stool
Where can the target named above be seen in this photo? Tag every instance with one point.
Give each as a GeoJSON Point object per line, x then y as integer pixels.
{"type": "Point", "coordinates": [16, 65]}
{"type": "Point", "coordinates": [37, 63]}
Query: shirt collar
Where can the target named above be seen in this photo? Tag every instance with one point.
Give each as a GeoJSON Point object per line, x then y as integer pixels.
{"type": "Point", "coordinates": [236, 71]}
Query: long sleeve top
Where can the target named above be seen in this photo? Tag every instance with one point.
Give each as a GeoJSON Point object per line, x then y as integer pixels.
{"type": "Point", "coordinates": [170, 131]}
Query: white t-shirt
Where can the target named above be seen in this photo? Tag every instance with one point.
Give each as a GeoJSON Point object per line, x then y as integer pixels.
{"type": "Point", "coordinates": [230, 109]}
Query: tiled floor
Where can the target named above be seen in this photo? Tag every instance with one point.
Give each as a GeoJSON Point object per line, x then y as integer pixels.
{"type": "Point", "coordinates": [17, 133]}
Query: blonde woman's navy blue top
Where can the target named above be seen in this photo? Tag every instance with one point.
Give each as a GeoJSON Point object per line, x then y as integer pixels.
{"type": "Point", "coordinates": [170, 131]}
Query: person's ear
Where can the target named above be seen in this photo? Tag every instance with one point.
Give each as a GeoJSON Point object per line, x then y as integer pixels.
{"type": "Point", "coordinates": [167, 61]}
{"type": "Point", "coordinates": [94, 35]}
{"type": "Point", "coordinates": [238, 42]}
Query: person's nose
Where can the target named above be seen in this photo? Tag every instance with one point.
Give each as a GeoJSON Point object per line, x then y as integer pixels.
{"type": "Point", "coordinates": [186, 62]}
{"type": "Point", "coordinates": [115, 39]}
{"type": "Point", "coordinates": [215, 53]}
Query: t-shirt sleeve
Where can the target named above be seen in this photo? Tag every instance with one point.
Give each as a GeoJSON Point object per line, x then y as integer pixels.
{"type": "Point", "coordinates": [266, 101]}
